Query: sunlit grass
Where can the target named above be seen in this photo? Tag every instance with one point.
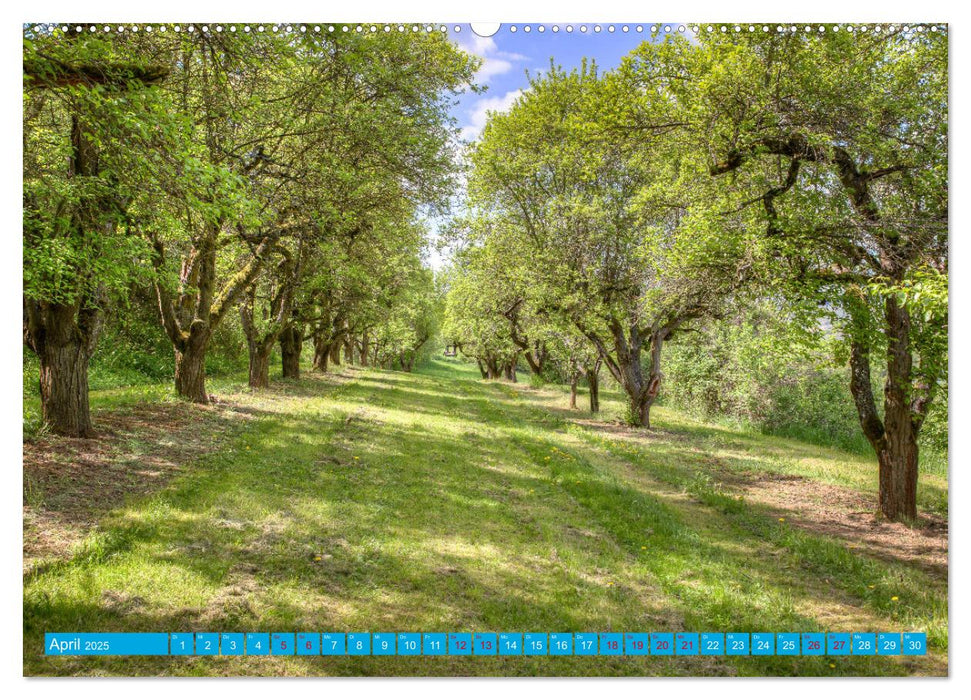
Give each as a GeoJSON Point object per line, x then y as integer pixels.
{"type": "Point", "coordinates": [381, 501]}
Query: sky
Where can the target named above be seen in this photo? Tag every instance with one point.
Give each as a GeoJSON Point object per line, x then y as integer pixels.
{"type": "Point", "coordinates": [508, 55]}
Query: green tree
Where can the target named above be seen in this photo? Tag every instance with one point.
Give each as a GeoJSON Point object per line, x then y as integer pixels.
{"type": "Point", "coordinates": [837, 143]}
{"type": "Point", "coordinates": [280, 122]}
{"type": "Point", "coordinates": [620, 242]}
{"type": "Point", "coordinates": [88, 103]}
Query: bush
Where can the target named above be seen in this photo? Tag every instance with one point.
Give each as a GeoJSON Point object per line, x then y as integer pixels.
{"type": "Point", "coordinates": [758, 371]}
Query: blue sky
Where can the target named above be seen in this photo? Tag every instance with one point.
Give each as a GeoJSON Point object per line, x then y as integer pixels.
{"type": "Point", "coordinates": [508, 55]}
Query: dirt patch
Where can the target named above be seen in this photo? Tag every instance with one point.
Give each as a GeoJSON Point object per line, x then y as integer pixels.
{"type": "Point", "coordinates": [820, 508]}
{"type": "Point", "coordinates": [121, 603]}
{"type": "Point", "coordinates": [235, 603]}
{"type": "Point", "coordinates": [70, 482]}
{"type": "Point", "coordinates": [622, 430]}
{"type": "Point", "coordinates": [849, 515]}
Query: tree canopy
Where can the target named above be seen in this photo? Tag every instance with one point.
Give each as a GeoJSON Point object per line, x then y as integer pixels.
{"type": "Point", "coordinates": [284, 184]}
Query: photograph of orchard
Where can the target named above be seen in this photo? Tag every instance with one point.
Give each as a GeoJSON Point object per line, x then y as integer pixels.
{"type": "Point", "coordinates": [396, 328]}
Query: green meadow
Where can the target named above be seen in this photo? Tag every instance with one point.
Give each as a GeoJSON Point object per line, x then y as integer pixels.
{"type": "Point", "coordinates": [434, 501]}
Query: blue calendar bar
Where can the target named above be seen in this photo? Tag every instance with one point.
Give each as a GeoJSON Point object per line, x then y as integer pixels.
{"type": "Point", "coordinates": [510, 644]}
{"type": "Point", "coordinates": [181, 644]}
{"type": "Point", "coordinates": [433, 644]}
{"type": "Point", "coordinates": [535, 644]}
{"type": "Point", "coordinates": [586, 644]}
{"type": "Point", "coordinates": [662, 643]}
{"type": "Point", "coordinates": [257, 644]}
{"type": "Point", "coordinates": [359, 644]}
{"type": "Point", "coordinates": [283, 643]}
{"type": "Point", "coordinates": [207, 643]}
{"type": "Point", "coordinates": [486, 644]}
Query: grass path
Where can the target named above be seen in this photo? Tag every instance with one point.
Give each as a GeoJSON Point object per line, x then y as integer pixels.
{"type": "Point", "coordinates": [381, 501]}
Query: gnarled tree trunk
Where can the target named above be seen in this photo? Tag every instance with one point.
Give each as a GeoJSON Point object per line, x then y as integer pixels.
{"type": "Point", "coordinates": [492, 366]}
{"type": "Point", "coordinates": [321, 351]}
{"type": "Point", "coordinates": [291, 347]}
{"type": "Point", "coordinates": [64, 389]}
{"type": "Point", "coordinates": [190, 317]}
{"type": "Point", "coordinates": [363, 347]}
{"type": "Point", "coordinates": [593, 381]}
{"type": "Point", "coordinates": [894, 439]}
{"type": "Point", "coordinates": [190, 366]}
{"type": "Point", "coordinates": [259, 365]}
{"type": "Point", "coordinates": [624, 364]}
{"type": "Point", "coordinates": [509, 370]}
{"type": "Point", "coordinates": [261, 336]}
{"type": "Point", "coordinates": [63, 337]}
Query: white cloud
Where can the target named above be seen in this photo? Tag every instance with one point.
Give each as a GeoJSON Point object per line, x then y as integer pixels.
{"type": "Point", "coordinates": [479, 45]}
{"type": "Point", "coordinates": [494, 61]}
{"type": "Point", "coordinates": [480, 112]}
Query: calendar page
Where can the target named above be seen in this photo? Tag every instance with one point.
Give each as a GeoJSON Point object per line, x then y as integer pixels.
{"type": "Point", "coordinates": [450, 349]}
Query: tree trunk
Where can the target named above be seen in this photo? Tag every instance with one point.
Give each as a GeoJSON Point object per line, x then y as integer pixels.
{"type": "Point", "coordinates": [643, 402]}
{"type": "Point", "coordinates": [482, 369]}
{"type": "Point", "coordinates": [364, 349]}
{"type": "Point", "coordinates": [259, 365]}
{"type": "Point", "coordinates": [335, 353]}
{"type": "Point", "coordinates": [573, 390]}
{"type": "Point", "coordinates": [64, 388]}
{"type": "Point", "coordinates": [349, 351]}
{"type": "Point", "coordinates": [291, 346]}
{"type": "Point", "coordinates": [898, 459]}
{"type": "Point", "coordinates": [321, 352]}
{"type": "Point", "coordinates": [190, 368]}
{"type": "Point", "coordinates": [509, 370]}
{"type": "Point", "coordinates": [63, 337]}
{"type": "Point", "coordinates": [593, 381]}
{"type": "Point", "coordinates": [898, 475]}
{"type": "Point", "coordinates": [894, 439]}
{"type": "Point", "coordinates": [626, 368]}
{"type": "Point", "coordinates": [535, 357]}
{"type": "Point", "coordinates": [639, 411]}
{"type": "Point", "coordinates": [493, 368]}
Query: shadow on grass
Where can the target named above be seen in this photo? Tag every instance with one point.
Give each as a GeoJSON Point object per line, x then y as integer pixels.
{"type": "Point", "coordinates": [355, 516]}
